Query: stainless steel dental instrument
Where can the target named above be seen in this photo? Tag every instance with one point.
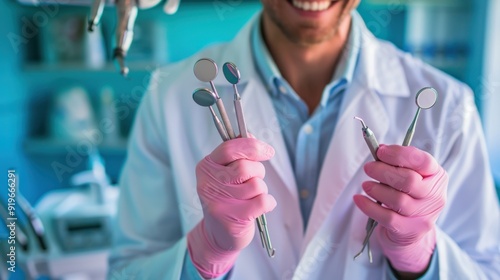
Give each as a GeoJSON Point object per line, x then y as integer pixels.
{"type": "Point", "coordinates": [425, 99]}
{"type": "Point", "coordinates": [369, 137]}
{"type": "Point", "coordinates": [372, 144]}
{"type": "Point", "coordinates": [206, 70]}
{"type": "Point", "coordinates": [206, 98]}
{"type": "Point", "coordinates": [232, 75]}
{"type": "Point", "coordinates": [95, 14]}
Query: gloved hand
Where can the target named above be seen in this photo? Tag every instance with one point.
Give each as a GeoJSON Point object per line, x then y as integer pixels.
{"type": "Point", "coordinates": [233, 194]}
{"type": "Point", "coordinates": [412, 189]}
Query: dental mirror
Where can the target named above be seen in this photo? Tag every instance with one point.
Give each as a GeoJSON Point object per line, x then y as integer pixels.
{"type": "Point", "coordinates": [425, 99]}
{"type": "Point", "coordinates": [231, 73]}
{"type": "Point", "coordinates": [205, 70]}
{"type": "Point", "coordinates": [206, 98]}
{"type": "Point", "coordinates": [233, 76]}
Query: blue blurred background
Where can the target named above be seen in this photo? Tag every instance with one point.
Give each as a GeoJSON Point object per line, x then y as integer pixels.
{"type": "Point", "coordinates": [46, 53]}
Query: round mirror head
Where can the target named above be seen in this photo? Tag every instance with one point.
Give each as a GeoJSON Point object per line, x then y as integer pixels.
{"type": "Point", "coordinates": [426, 98]}
{"type": "Point", "coordinates": [205, 70]}
{"type": "Point", "coordinates": [204, 97]}
{"type": "Point", "coordinates": [231, 73]}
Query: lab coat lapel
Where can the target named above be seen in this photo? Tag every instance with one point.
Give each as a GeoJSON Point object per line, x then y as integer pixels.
{"type": "Point", "coordinates": [263, 123]}
{"type": "Point", "coordinates": [347, 151]}
{"type": "Point", "coordinates": [379, 74]}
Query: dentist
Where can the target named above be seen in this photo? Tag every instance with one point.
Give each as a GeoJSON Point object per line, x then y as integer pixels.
{"type": "Point", "coordinates": [188, 203]}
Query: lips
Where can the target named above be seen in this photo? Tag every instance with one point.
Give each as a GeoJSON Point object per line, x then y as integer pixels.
{"type": "Point", "coordinates": [308, 6]}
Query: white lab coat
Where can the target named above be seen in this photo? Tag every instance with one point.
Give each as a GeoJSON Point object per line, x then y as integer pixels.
{"type": "Point", "coordinates": [159, 205]}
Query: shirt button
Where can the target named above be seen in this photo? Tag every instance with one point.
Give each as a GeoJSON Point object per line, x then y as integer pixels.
{"type": "Point", "coordinates": [308, 129]}
{"type": "Point", "coordinates": [282, 89]}
{"type": "Point", "coordinates": [304, 194]}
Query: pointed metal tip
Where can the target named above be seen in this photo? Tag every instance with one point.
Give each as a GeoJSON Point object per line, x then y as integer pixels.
{"type": "Point", "coordinates": [357, 255]}
{"type": "Point", "coordinates": [361, 120]}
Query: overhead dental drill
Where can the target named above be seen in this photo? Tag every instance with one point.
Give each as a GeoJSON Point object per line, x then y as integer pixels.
{"type": "Point", "coordinates": [127, 13]}
{"type": "Point", "coordinates": [95, 14]}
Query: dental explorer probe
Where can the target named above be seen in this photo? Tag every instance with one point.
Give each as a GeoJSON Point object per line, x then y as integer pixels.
{"type": "Point", "coordinates": [372, 144]}
{"type": "Point", "coordinates": [232, 75]}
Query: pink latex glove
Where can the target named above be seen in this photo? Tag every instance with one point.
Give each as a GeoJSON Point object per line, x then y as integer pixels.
{"type": "Point", "coordinates": [412, 189]}
{"type": "Point", "coordinates": [233, 194]}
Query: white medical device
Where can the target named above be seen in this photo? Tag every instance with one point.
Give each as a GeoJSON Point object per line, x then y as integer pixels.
{"type": "Point", "coordinates": [78, 233]}
{"type": "Point", "coordinates": [77, 229]}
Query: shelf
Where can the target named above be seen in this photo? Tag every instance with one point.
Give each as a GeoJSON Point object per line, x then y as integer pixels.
{"type": "Point", "coordinates": [52, 147]}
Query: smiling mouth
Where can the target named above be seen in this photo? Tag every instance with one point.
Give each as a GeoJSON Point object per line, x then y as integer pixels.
{"type": "Point", "coordinates": [316, 6]}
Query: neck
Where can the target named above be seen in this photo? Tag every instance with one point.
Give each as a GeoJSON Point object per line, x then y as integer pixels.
{"type": "Point", "coordinates": [307, 68]}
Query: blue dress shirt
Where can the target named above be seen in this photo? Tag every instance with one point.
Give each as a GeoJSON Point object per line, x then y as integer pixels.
{"type": "Point", "coordinates": [307, 134]}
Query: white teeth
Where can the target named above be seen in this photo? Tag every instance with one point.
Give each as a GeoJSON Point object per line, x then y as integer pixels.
{"type": "Point", "coordinates": [311, 6]}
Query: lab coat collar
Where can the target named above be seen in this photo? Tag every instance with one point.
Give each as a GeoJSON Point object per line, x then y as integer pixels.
{"type": "Point", "coordinates": [384, 72]}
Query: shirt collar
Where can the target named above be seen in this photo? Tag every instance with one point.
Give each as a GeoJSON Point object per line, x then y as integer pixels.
{"type": "Point", "coordinates": [270, 73]}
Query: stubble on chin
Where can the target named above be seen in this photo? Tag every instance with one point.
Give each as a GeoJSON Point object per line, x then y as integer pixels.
{"type": "Point", "coordinates": [308, 34]}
